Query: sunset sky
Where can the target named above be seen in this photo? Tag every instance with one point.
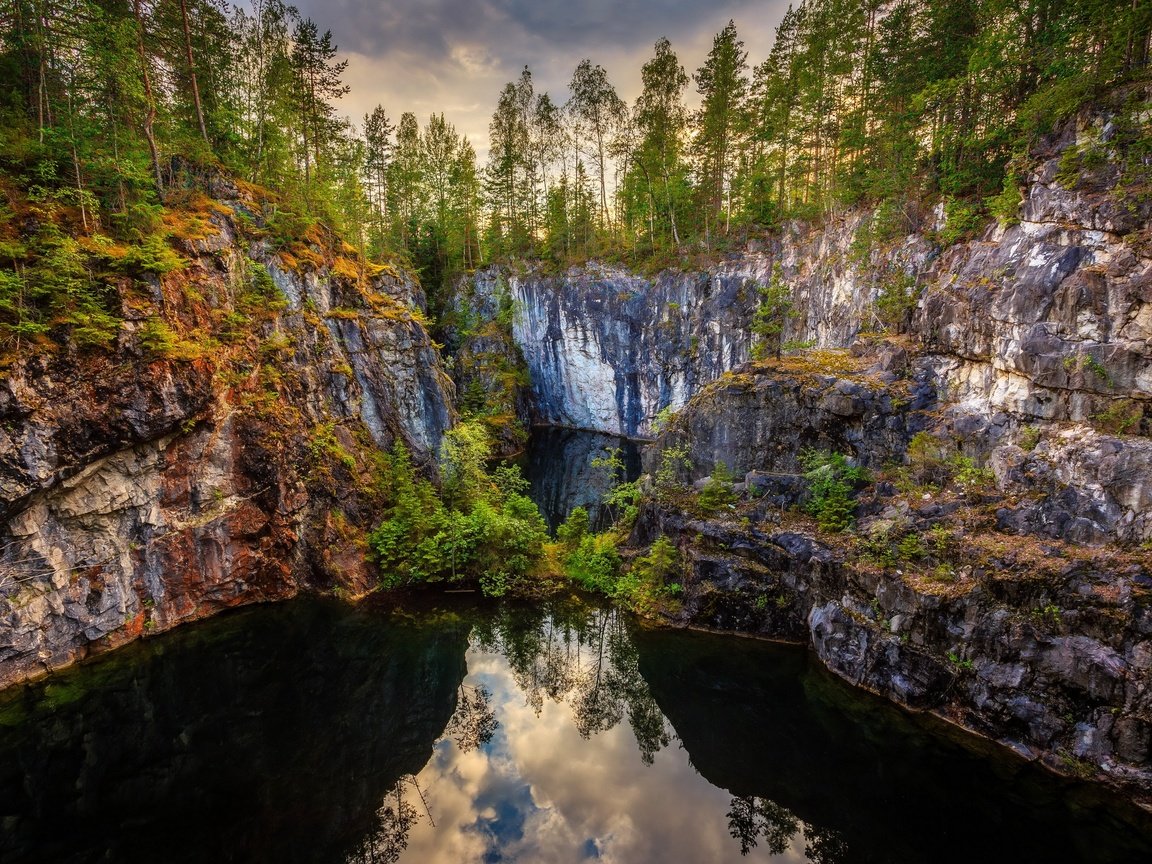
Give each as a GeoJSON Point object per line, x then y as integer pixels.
{"type": "Point", "coordinates": [454, 56]}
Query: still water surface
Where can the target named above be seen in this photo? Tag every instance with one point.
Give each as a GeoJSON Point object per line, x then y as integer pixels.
{"type": "Point", "coordinates": [451, 730]}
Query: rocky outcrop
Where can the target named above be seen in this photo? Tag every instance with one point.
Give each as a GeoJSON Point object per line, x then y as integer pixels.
{"type": "Point", "coordinates": [999, 574]}
{"type": "Point", "coordinates": [1046, 316]}
{"type": "Point", "coordinates": [220, 454]}
{"type": "Point", "coordinates": [1051, 658]}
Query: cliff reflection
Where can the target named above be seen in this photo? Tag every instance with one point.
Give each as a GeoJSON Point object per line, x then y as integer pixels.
{"type": "Point", "coordinates": [396, 816]}
{"type": "Point", "coordinates": [317, 732]}
{"type": "Point", "coordinates": [561, 476]}
{"type": "Point", "coordinates": [268, 735]}
{"type": "Point", "coordinates": [819, 770]}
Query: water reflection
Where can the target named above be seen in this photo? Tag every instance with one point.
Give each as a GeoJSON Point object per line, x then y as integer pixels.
{"type": "Point", "coordinates": [556, 733]}
{"type": "Point", "coordinates": [580, 655]}
{"type": "Point", "coordinates": [396, 816]}
{"type": "Point", "coordinates": [559, 469]}
{"type": "Point", "coordinates": [625, 744]}
{"type": "Point", "coordinates": [269, 735]}
{"type": "Point", "coordinates": [580, 765]}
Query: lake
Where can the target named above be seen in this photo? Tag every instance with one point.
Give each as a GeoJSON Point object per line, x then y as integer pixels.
{"type": "Point", "coordinates": [450, 729]}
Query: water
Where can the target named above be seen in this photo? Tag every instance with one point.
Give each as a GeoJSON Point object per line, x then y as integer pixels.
{"type": "Point", "coordinates": [558, 464]}
{"type": "Point", "coordinates": [452, 730]}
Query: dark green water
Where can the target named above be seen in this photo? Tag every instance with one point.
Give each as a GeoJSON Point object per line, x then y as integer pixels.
{"type": "Point", "coordinates": [453, 732]}
{"type": "Point", "coordinates": [558, 464]}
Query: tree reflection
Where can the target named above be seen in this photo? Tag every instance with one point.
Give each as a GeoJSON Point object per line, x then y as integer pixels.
{"type": "Point", "coordinates": [396, 817]}
{"type": "Point", "coordinates": [584, 656]}
{"type": "Point", "coordinates": [473, 723]}
{"type": "Point", "coordinates": [824, 845]}
{"type": "Point", "coordinates": [751, 818]}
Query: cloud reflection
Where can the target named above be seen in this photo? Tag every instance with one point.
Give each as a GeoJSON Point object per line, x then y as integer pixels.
{"type": "Point", "coordinates": [547, 786]}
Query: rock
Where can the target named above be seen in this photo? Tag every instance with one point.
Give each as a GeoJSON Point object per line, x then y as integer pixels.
{"type": "Point", "coordinates": [138, 492]}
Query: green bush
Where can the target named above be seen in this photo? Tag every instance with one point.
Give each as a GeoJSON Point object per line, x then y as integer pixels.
{"type": "Point", "coordinates": [961, 221]}
{"type": "Point", "coordinates": [595, 564]}
{"type": "Point", "coordinates": [674, 463]}
{"type": "Point", "coordinates": [484, 528]}
{"type": "Point", "coordinates": [573, 530]}
{"type": "Point", "coordinates": [650, 582]}
{"type": "Point", "coordinates": [718, 492]}
{"type": "Point", "coordinates": [896, 300]}
{"type": "Point", "coordinates": [771, 315]}
{"type": "Point", "coordinates": [831, 482]}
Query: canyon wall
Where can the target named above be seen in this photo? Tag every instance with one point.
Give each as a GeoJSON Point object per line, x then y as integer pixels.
{"type": "Point", "coordinates": [996, 382]}
{"type": "Point", "coordinates": [223, 456]}
{"type": "Point", "coordinates": [1046, 316]}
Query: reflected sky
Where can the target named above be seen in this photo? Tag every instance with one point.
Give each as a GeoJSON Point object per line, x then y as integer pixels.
{"type": "Point", "coordinates": [539, 791]}
{"type": "Point", "coordinates": [453, 730]}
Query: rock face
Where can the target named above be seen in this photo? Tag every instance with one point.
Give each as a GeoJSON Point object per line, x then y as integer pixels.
{"type": "Point", "coordinates": [1052, 662]}
{"type": "Point", "coordinates": [606, 350]}
{"type": "Point", "coordinates": [1048, 319]}
{"type": "Point", "coordinates": [147, 485]}
{"type": "Point", "coordinates": [1000, 574]}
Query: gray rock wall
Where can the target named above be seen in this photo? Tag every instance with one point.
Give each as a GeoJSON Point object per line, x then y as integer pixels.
{"type": "Point", "coordinates": [140, 490]}
{"type": "Point", "coordinates": [1048, 319]}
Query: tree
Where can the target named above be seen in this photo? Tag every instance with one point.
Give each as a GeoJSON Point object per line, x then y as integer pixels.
{"type": "Point", "coordinates": [317, 80]}
{"type": "Point", "coordinates": [595, 105]}
{"type": "Point", "coordinates": [661, 119]}
{"type": "Point", "coordinates": [723, 86]}
{"type": "Point", "coordinates": [378, 131]}
{"type": "Point", "coordinates": [508, 165]}
{"type": "Point", "coordinates": [771, 315]}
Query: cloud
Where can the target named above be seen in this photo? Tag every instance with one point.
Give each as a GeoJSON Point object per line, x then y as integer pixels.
{"type": "Point", "coordinates": [428, 56]}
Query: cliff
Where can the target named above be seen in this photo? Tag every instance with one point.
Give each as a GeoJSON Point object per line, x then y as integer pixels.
{"type": "Point", "coordinates": [1044, 315]}
{"type": "Point", "coordinates": [999, 574]}
{"type": "Point", "coordinates": [994, 378]}
{"type": "Point", "coordinates": [221, 451]}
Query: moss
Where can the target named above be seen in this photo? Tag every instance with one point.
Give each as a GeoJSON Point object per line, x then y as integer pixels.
{"type": "Point", "coordinates": [157, 338]}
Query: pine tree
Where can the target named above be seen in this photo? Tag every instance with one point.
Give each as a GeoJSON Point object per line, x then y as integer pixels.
{"type": "Point", "coordinates": [317, 79]}
{"type": "Point", "coordinates": [600, 110]}
{"type": "Point", "coordinates": [723, 86]}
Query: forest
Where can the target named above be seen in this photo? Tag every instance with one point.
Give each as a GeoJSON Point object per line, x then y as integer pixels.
{"type": "Point", "coordinates": [111, 109]}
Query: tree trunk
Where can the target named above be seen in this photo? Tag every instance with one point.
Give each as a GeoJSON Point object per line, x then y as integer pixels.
{"type": "Point", "coordinates": [192, 72]}
{"type": "Point", "coordinates": [150, 110]}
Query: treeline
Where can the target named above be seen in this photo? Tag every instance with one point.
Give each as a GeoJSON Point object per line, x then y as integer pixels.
{"type": "Point", "coordinates": [108, 103]}
{"type": "Point", "coordinates": [107, 106]}
{"type": "Point", "coordinates": [858, 101]}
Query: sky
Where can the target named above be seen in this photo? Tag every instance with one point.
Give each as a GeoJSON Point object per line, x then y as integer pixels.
{"type": "Point", "coordinates": [428, 56]}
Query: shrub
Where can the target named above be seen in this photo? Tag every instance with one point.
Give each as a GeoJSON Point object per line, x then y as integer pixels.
{"type": "Point", "coordinates": [927, 459]}
{"type": "Point", "coordinates": [961, 221]}
{"type": "Point", "coordinates": [646, 586]}
{"type": "Point", "coordinates": [1121, 417]}
{"type": "Point", "coordinates": [771, 315]}
{"type": "Point", "coordinates": [157, 338]}
{"type": "Point", "coordinates": [594, 565]}
{"type": "Point", "coordinates": [488, 530]}
{"type": "Point", "coordinates": [153, 256]}
{"type": "Point", "coordinates": [674, 462]}
{"type": "Point", "coordinates": [663, 417]}
{"type": "Point", "coordinates": [831, 481]}
{"type": "Point", "coordinates": [573, 529]}
{"type": "Point", "coordinates": [896, 300]}
{"type": "Point", "coordinates": [718, 492]}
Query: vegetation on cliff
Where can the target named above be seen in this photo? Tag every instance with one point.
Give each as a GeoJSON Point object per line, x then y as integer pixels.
{"type": "Point", "coordinates": [112, 109]}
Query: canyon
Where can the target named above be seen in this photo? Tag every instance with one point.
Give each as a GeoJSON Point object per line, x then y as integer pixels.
{"type": "Point", "coordinates": [143, 490]}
